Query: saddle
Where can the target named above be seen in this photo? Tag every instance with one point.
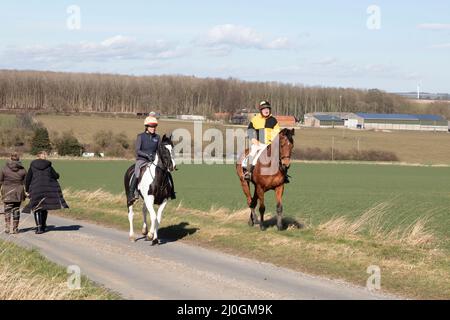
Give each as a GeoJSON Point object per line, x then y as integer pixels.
{"type": "Point", "coordinates": [142, 171]}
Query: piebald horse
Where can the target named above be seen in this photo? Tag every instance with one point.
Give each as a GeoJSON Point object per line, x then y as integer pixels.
{"type": "Point", "coordinates": [155, 188]}
{"type": "Point", "coordinates": [270, 173]}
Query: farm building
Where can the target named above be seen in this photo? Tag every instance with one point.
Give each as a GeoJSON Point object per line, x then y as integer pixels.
{"type": "Point", "coordinates": [222, 116]}
{"type": "Point", "coordinates": [323, 120]}
{"type": "Point", "coordinates": [191, 117]}
{"type": "Point", "coordinates": [380, 121]}
{"type": "Point", "coordinates": [286, 121]}
{"type": "Point", "coordinates": [420, 122]}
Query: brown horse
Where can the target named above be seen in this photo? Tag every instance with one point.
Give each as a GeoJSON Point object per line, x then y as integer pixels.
{"type": "Point", "coordinates": [270, 173]}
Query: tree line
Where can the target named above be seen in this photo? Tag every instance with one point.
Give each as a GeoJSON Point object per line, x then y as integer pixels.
{"type": "Point", "coordinates": [174, 95]}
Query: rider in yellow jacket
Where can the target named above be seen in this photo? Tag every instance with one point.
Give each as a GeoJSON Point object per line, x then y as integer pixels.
{"type": "Point", "coordinates": [263, 128]}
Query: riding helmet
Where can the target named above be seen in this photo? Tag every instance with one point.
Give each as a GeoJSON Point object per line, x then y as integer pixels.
{"type": "Point", "coordinates": [151, 122]}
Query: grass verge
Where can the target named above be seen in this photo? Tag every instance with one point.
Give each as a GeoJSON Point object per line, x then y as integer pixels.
{"type": "Point", "coordinates": [27, 275]}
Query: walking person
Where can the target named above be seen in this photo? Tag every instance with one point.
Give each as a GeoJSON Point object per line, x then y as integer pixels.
{"type": "Point", "coordinates": [12, 179]}
{"type": "Point", "coordinates": [44, 191]}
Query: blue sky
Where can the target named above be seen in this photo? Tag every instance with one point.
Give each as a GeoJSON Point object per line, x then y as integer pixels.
{"type": "Point", "coordinates": [326, 43]}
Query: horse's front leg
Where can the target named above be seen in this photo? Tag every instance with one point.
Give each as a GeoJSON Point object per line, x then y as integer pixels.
{"type": "Point", "coordinates": [279, 194]}
{"type": "Point", "coordinates": [253, 217]}
{"type": "Point", "coordinates": [144, 215]}
{"type": "Point", "coordinates": [158, 219]}
{"type": "Point", "coordinates": [130, 219]}
{"type": "Point", "coordinates": [262, 207]}
{"type": "Point", "coordinates": [149, 201]}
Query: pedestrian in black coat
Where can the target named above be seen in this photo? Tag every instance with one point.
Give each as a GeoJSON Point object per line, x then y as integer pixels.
{"type": "Point", "coordinates": [44, 191]}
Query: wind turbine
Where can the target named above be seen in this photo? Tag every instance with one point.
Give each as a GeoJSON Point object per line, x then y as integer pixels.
{"type": "Point", "coordinates": [418, 90]}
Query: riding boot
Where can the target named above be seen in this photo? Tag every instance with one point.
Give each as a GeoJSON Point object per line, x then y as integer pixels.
{"type": "Point", "coordinates": [132, 192]}
{"type": "Point", "coordinates": [38, 220]}
{"type": "Point", "coordinates": [248, 174]}
{"type": "Point", "coordinates": [44, 214]}
{"type": "Point", "coordinates": [7, 221]}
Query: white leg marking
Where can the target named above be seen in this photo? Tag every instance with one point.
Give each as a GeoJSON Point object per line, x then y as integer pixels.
{"type": "Point", "coordinates": [130, 219]}
{"type": "Point", "coordinates": [159, 217]}
{"type": "Point", "coordinates": [144, 215]}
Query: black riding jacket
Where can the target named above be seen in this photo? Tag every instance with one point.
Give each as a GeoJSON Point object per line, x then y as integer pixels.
{"type": "Point", "coordinates": [146, 146]}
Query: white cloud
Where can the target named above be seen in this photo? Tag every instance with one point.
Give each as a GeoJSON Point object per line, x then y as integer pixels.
{"type": "Point", "coordinates": [326, 61]}
{"type": "Point", "coordinates": [434, 26]}
{"type": "Point", "coordinates": [222, 39]}
{"type": "Point", "coordinates": [112, 49]}
{"type": "Point", "coordinates": [441, 46]}
{"type": "Point", "coordinates": [118, 41]}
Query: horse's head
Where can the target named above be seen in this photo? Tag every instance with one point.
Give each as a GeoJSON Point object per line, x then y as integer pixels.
{"type": "Point", "coordinates": [286, 146]}
{"type": "Point", "coordinates": [167, 154]}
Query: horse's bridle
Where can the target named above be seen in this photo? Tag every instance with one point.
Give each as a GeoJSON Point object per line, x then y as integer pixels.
{"type": "Point", "coordinates": [164, 167]}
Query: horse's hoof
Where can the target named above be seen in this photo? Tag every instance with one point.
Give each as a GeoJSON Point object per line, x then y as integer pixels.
{"type": "Point", "coordinates": [155, 242]}
{"type": "Point", "coordinates": [132, 238]}
{"type": "Point", "coordinates": [149, 237]}
{"type": "Point", "coordinates": [251, 223]}
{"type": "Point", "coordinates": [144, 231]}
{"type": "Point", "coordinates": [263, 228]}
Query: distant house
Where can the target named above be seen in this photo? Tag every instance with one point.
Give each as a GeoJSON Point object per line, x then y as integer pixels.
{"type": "Point", "coordinates": [239, 119]}
{"type": "Point", "coordinates": [92, 154]}
{"type": "Point", "coordinates": [146, 114]}
{"type": "Point", "coordinates": [191, 117]}
{"type": "Point", "coordinates": [88, 154]}
{"type": "Point", "coordinates": [222, 116]}
{"type": "Point", "coordinates": [323, 120]}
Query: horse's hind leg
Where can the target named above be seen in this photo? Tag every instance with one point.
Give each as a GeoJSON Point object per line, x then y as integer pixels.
{"type": "Point", "coordinates": [144, 215]}
{"type": "Point", "coordinates": [251, 202]}
{"type": "Point", "coordinates": [130, 219]}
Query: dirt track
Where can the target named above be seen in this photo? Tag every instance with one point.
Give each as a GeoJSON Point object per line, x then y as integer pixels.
{"type": "Point", "coordinates": [172, 270]}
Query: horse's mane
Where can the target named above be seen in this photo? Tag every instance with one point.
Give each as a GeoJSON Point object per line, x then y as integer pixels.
{"type": "Point", "coordinates": [288, 134]}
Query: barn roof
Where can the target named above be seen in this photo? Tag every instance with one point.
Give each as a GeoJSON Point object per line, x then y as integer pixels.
{"type": "Point", "coordinates": [430, 117]}
{"type": "Point", "coordinates": [399, 116]}
{"type": "Point", "coordinates": [326, 117]}
{"type": "Point", "coordinates": [285, 118]}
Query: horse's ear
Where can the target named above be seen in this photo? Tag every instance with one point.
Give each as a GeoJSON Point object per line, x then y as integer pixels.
{"type": "Point", "coordinates": [163, 137]}
{"type": "Point", "coordinates": [293, 132]}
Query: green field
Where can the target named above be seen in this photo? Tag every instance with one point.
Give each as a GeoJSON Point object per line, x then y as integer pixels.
{"type": "Point", "coordinates": [319, 197]}
{"type": "Point", "coordinates": [317, 192]}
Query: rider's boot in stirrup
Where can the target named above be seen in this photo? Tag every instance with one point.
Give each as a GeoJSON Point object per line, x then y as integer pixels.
{"type": "Point", "coordinates": [248, 173]}
{"type": "Point", "coordinates": [132, 192]}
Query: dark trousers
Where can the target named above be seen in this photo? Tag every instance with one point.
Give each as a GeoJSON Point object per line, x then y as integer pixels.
{"type": "Point", "coordinates": [12, 209]}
